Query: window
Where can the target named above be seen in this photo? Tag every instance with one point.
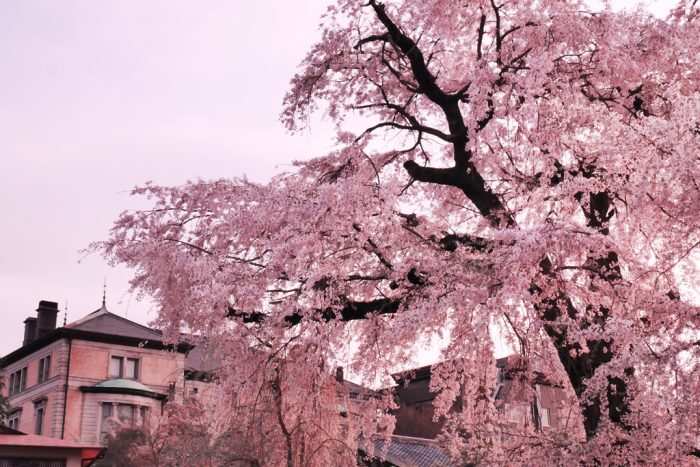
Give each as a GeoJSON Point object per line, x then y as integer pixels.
{"type": "Point", "coordinates": [44, 369]}
{"type": "Point", "coordinates": [18, 381]}
{"type": "Point", "coordinates": [131, 370]}
{"type": "Point", "coordinates": [120, 367]}
{"type": "Point", "coordinates": [517, 413]}
{"type": "Point", "coordinates": [6, 461]}
{"type": "Point", "coordinates": [126, 414]}
{"type": "Point", "coordinates": [144, 414]}
{"type": "Point", "coordinates": [544, 417]}
{"type": "Point", "coordinates": [194, 391]}
{"type": "Point", "coordinates": [13, 419]}
{"type": "Point", "coordinates": [104, 426]}
{"type": "Point", "coordinates": [543, 413]}
{"type": "Point", "coordinates": [115, 367]}
{"type": "Point", "coordinates": [39, 409]}
{"type": "Point", "coordinates": [116, 416]}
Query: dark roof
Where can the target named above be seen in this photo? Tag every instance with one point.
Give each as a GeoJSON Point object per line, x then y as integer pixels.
{"type": "Point", "coordinates": [202, 358]}
{"type": "Point", "coordinates": [99, 326]}
{"type": "Point", "coordinates": [122, 383]}
{"type": "Point", "coordinates": [358, 392]}
{"type": "Point", "coordinates": [517, 367]}
{"type": "Point", "coordinates": [6, 430]}
{"type": "Point", "coordinates": [405, 451]}
{"type": "Point", "coordinates": [103, 321]}
{"type": "Point", "coordinates": [415, 374]}
{"type": "Point", "coordinates": [123, 386]}
{"type": "Point", "coordinates": [512, 365]}
{"type": "Point", "coordinates": [423, 372]}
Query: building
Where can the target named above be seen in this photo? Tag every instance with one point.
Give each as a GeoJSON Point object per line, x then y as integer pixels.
{"type": "Point", "coordinates": [540, 403]}
{"type": "Point", "coordinates": [523, 397]}
{"type": "Point", "coordinates": [79, 381]}
{"type": "Point", "coordinates": [20, 449]}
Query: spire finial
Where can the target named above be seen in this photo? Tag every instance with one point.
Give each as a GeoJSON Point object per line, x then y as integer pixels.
{"type": "Point", "coordinates": [104, 294]}
{"type": "Point", "coordinates": [65, 314]}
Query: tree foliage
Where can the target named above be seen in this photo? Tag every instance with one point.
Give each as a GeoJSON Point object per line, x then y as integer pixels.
{"type": "Point", "coordinates": [530, 165]}
{"type": "Point", "coordinates": [230, 430]}
{"type": "Point", "coordinates": [4, 402]}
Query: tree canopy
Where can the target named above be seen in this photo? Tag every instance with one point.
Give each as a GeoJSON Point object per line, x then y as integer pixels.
{"type": "Point", "coordinates": [530, 166]}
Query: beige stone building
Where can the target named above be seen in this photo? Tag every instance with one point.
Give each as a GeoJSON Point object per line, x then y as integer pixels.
{"type": "Point", "coordinates": [78, 381]}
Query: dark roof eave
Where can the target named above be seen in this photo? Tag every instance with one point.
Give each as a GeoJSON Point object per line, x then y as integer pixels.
{"type": "Point", "coordinates": [61, 333]}
{"type": "Point", "coordinates": [415, 374]}
{"type": "Point", "coordinates": [128, 391]}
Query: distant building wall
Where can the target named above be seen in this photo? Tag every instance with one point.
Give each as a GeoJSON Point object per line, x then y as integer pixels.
{"type": "Point", "coordinates": [416, 420]}
{"type": "Point", "coordinates": [47, 395]}
{"type": "Point", "coordinates": [519, 401]}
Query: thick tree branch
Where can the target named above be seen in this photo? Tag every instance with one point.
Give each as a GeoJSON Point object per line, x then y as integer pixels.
{"type": "Point", "coordinates": [471, 183]}
{"type": "Point", "coordinates": [464, 174]}
{"type": "Point", "coordinates": [480, 36]}
{"type": "Point", "coordinates": [351, 311]}
{"type": "Point", "coordinates": [373, 38]}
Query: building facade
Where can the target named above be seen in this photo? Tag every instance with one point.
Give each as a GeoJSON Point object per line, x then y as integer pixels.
{"type": "Point", "coordinates": [524, 397]}
{"type": "Point", "coordinates": [79, 381]}
{"type": "Point", "coordinates": [521, 400]}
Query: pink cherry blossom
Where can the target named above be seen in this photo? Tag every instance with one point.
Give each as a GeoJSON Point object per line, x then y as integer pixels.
{"type": "Point", "coordinates": [531, 166]}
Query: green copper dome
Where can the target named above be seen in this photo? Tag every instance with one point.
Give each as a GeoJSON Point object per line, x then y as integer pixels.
{"type": "Point", "coordinates": [123, 384]}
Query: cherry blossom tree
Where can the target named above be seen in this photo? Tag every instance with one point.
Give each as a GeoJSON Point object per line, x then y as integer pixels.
{"type": "Point", "coordinates": [530, 166]}
{"type": "Point", "coordinates": [260, 422]}
{"type": "Point", "coordinates": [4, 402]}
{"type": "Point", "coordinates": [177, 436]}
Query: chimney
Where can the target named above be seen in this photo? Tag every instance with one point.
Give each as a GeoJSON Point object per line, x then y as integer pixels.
{"type": "Point", "coordinates": [46, 314]}
{"type": "Point", "coordinates": [29, 330]}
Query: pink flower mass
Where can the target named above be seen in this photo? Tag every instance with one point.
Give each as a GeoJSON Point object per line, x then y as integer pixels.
{"type": "Point", "coordinates": [529, 167]}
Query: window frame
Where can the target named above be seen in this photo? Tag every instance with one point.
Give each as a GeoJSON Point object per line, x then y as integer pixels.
{"type": "Point", "coordinates": [123, 362]}
{"type": "Point", "coordinates": [44, 369]}
{"type": "Point", "coordinates": [17, 381]}
{"type": "Point", "coordinates": [39, 416]}
{"type": "Point", "coordinates": [137, 365]}
{"type": "Point", "coordinates": [14, 418]}
{"type": "Point", "coordinates": [120, 369]}
{"type": "Point", "coordinates": [517, 413]}
{"type": "Point", "coordinates": [541, 411]}
{"type": "Point", "coordinates": [103, 419]}
{"type": "Point", "coordinates": [545, 420]}
{"type": "Point", "coordinates": [135, 415]}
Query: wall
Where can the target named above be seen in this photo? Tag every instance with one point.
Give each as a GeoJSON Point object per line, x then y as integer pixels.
{"type": "Point", "coordinates": [157, 368]}
{"type": "Point", "coordinates": [72, 456]}
{"type": "Point", "coordinates": [92, 417]}
{"type": "Point", "coordinates": [89, 365]}
{"type": "Point", "coordinates": [52, 389]}
{"type": "Point", "coordinates": [416, 420]}
{"type": "Point", "coordinates": [414, 417]}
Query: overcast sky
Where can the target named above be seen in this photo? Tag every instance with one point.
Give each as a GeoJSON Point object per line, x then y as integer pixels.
{"type": "Point", "coordinates": [98, 96]}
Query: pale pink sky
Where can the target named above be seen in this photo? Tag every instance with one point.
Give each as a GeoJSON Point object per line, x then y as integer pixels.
{"type": "Point", "coordinates": [98, 96]}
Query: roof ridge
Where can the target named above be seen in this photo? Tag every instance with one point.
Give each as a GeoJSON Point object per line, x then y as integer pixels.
{"type": "Point", "coordinates": [415, 440]}
{"type": "Point", "coordinates": [104, 312]}
{"type": "Point", "coordinates": [86, 318]}
{"type": "Point", "coordinates": [157, 331]}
